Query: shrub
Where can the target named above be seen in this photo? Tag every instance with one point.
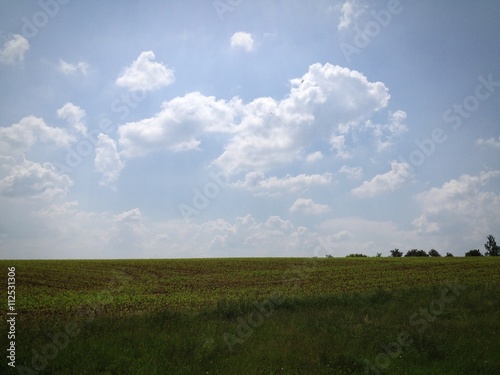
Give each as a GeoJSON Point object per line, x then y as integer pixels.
{"type": "Point", "coordinates": [416, 253]}
{"type": "Point", "coordinates": [356, 256]}
{"type": "Point", "coordinates": [396, 253]}
{"type": "Point", "coordinates": [434, 253]}
{"type": "Point", "coordinates": [473, 253]}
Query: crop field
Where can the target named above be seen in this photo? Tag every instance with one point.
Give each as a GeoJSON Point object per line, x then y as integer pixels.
{"type": "Point", "coordinates": [256, 316]}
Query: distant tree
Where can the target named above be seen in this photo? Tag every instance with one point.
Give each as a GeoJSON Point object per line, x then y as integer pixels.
{"type": "Point", "coordinates": [491, 247]}
{"type": "Point", "coordinates": [449, 254]}
{"type": "Point", "coordinates": [329, 256]}
{"type": "Point", "coordinates": [356, 256]}
{"type": "Point", "coordinates": [473, 253]}
{"type": "Point", "coordinates": [379, 255]}
{"type": "Point", "coordinates": [416, 253]}
{"type": "Point", "coordinates": [396, 253]}
{"type": "Point", "coordinates": [434, 253]}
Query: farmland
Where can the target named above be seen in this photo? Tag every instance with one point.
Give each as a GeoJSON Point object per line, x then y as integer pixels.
{"type": "Point", "coordinates": [257, 315]}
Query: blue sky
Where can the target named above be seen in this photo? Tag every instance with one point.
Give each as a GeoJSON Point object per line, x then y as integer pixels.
{"type": "Point", "coordinates": [247, 128]}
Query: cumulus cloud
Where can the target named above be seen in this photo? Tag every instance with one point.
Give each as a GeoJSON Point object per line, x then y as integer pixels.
{"type": "Point", "coordinates": [242, 40]}
{"type": "Point", "coordinates": [338, 144]}
{"type": "Point", "coordinates": [27, 179]}
{"type": "Point", "coordinates": [350, 11]}
{"type": "Point", "coordinates": [125, 233]}
{"type": "Point", "coordinates": [146, 74]}
{"type": "Point", "coordinates": [351, 172]}
{"type": "Point", "coordinates": [323, 104]}
{"type": "Point", "coordinates": [178, 127]}
{"type": "Point", "coordinates": [462, 205]}
{"type": "Point", "coordinates": [69, 69]}
{"type": "Point", "coordinates": [256, 183]}
{"type": "Point", "coordinates": [107, 160]}
{"type": "Point", "coordinates": [326, 99]}
{"type": "Point", "coordinates": [21, 137]}
{"type": "Point", "coordinates": [14, 49]}
{"type": "Point", "coordinates": [315, 156]}
{"type": "Point", "coordinates": [387, 134]}
{"type": "Point", "coordinates": [75, 117]}
{"type": "Point", "coordinates": [309, 207]}
{"type": "Point", "coordinates": [490, 142]}
{"type": "Point", "coordinates": [386, 182]}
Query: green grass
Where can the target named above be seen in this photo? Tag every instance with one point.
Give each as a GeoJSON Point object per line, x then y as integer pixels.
{"type": "Point", "coordinates": [258, 316]}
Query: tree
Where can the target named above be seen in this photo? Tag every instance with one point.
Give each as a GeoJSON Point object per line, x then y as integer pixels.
{"type": "Point", "coordinates": [473, 253]}
{"type": "Point", "coordinates": [434, 253]}
{"type": "Point", "coordinates": [449, 254]}
{"type": "Point", "coordinates": [416, 253]}
{"type": "Point", "coordinates": [379, 255]}
{"type": "Point", "coordinates": [491, 247]}
{"type": "Point", "coordinates": [356, 256]}
{"type": "Point", "coordinates": [396, 253]}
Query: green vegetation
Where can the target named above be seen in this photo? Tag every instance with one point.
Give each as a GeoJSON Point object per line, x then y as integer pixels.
{"type": "Point", "coordinates": [351, 315]}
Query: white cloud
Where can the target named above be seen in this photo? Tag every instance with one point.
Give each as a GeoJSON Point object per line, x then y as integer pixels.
{"type": "Point", "coordinates": [14, 49]}
{"type": "Point", "coordinates": [387, 134]}
{"type": "Point", "coordinates": [178, 127]}
{"type": "Point", "coordinates": [315, 156]}
{"type": "Point", "coordinates": [131, 234]}
{"type": "Point", "coordinates": [490, 142]}
{"type": "Point", "coordinates": [146, 74]}
{"type": "Point", "coordinates": [259, 185]}
{"type": "Point", "coordinates": [68, 68]}
{"type": "Point", "coordinates": [21, 137]}
{"type": "Point", "coordinates": [264, 133]}
{"type": "Point", "coordinates": [338, 144]}
{"type": "Point", "coordinates": [351, 172]}
{"type": "Point", "coordinates": [351, 11]}
{"type": "Point", "coordinates": [27, 179]}
{"type": "Point", "coordinates": [462, 206]}
{"type": "Point", "coordinates": [74, 115]}
{"type": "Point", "coordinates": [107, 160]}
{"type": "Point", "coordinates": [242, 40]}
{"type": "Point", "coordinates": [383, 183]}
{"type": "Point", "coordinates": [274, 133]}
{"type": "Point", "coordinates": [309, 207]}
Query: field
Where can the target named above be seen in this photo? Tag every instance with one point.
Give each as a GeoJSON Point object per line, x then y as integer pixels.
{"type": "Point", "coordinates": [256, 316]}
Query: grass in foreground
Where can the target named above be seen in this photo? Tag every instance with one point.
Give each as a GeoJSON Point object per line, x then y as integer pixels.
{"type": "Point", "coordinates": [260, 316]}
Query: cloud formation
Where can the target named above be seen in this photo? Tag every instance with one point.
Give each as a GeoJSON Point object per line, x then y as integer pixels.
{"type": "Point", "coordinates": [68, 68]}
{"type": "Point", "coordinates": [146, 74]}
{"type": "Point", "coordinates": [386, 182]}
{"type": "Point", "coordinates": [107, 160]}
{"type": "Point", "coordinates": [30, 180]}
{"type": "Point", "coordinates": [309, 207]}
{"type": "Point", "coordinates": [242, 40]}
{"type": "Point", "coordinates": [14, 49]}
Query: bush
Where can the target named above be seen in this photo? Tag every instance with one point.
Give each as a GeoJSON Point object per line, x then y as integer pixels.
{"type": "Point", "coordinates": [434, 253]}
{"type": "Point", "coordinates": [356, 256]}
{"type": "Point", "coordinates": [396, 253]}
{"type": "Point", "coordinates": [473, 253]}
{"type": "Point", "coordinates": [449, 254]}
{"type": "Point", "coordinates": [416, 253]}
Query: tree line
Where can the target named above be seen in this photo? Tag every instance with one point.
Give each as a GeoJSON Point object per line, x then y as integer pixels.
{"type": "Point", "coordinates": [491, 249]}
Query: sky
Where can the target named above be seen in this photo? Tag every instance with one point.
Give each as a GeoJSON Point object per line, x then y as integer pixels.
{"type": "Point", "coordinates": [236, 128]}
